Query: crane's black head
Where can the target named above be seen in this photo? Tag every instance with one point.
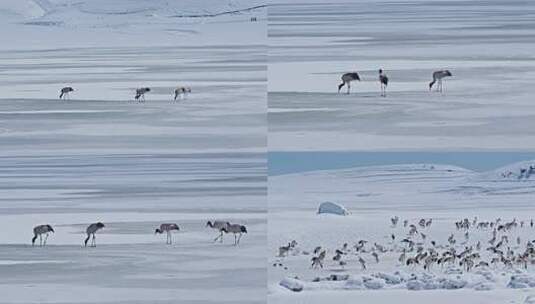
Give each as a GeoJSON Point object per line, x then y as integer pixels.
{"type": "Point", "coordinates": [209, 224]}
{"type": "Point", "coordinates": [243, 229]}
{"type": "Point", "coordinates": [355, 76]}
{"type": "Point", "coordinates": [100, 225]}
{"type": "Point", "coordinates": [50, 228]}
{"type": "Point", "coordinates": [157, 231]}
{"type": "Point", "coordinates": [147, 89]}
{"type": "Point", "coordinates": [448, 73]}
{"type": "Point", "coordinates": [224, 229]}
{"type": "Point", "coordinates": [380, 71]}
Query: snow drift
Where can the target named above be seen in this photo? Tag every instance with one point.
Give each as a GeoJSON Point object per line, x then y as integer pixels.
{"type": "Point", "coordinates": [332, 208]}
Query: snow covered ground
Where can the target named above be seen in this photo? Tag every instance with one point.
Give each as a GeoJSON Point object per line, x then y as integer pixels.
{"type": "Point", "coordinates": [487, 45]}
{"type": "Point", "coordinates": [373, 195]}
{"type": "Point", "coordinates": [102, 157]}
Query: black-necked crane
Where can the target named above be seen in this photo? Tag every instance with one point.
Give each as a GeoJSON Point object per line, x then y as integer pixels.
{"type": "Point", "coordinates": [347, 78]}
{"type": "Point", "coordinates": [217, 225]}
{"type": "Point", "coordinates": [383, 80]}
{"type": "Point", "coordinates": [236, 229]}
{"type": "Point", "coordinates": [167, 228]}
{"type": "Point", "coordinates": [64, 93]}
{"type": "Point", "coordinates": [91, 230]}
{"type": "Point", "coordinates": [437, 77]}
{"type": "Point", "coordinates": [38, 231]}
{"type": "Point", "coordinates": [181, 92]}
{"type": "Point", "coordinates": [140, 93]}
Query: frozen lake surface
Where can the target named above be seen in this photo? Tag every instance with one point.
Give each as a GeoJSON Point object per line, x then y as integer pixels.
{"type": "Point", "coordinates": [100, 156]}
{"type": "Point", "coordinates": [487, 104]}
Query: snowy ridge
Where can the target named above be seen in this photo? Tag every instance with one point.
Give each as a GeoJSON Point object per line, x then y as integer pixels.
{"type": "Point", "coordinates": [52, 9]}
{"type": "Point", "coordinates": [520, 171]}
{"type": "Point", "coordinates": [23, 8]}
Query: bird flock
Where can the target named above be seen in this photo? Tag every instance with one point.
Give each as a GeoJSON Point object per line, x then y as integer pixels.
{"type": "Point", "coordinates": [223, 227]}
{"type": "Point", "coordinates": [470, 244]}
{"type": "Point", "coordinates": [437, 77]}
{"type": "Point", "coordinates": [180, 93]}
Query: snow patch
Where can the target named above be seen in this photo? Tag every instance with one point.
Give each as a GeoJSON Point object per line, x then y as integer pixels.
{"type": "Point", "coordinates": [332, 208]}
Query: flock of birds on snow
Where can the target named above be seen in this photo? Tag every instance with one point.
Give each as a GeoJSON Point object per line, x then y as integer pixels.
{"type": "Point", "coordinates": [503, 247]}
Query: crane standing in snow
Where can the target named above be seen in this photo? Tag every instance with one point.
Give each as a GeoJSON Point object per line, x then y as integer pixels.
{"type": "Point", "coordinates": [383, 80]}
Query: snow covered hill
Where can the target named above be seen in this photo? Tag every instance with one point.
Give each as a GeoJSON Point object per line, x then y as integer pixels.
{"type": "Point", "coordinates": [31, 9]}
{"type": "Point", "coordinates": [441, 195]}
{"type": "Point", "coordinates": [521, 171]}
{"type": "Point", "coordinates": [64, 23]}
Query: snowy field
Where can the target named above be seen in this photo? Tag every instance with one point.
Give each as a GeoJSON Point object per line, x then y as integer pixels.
{"type": "Point", "coordinates": [441, 195]}
{"type": "Point", "coordinates": [487, 45]}
{"type": "Point", "coordinates": [100, 156]}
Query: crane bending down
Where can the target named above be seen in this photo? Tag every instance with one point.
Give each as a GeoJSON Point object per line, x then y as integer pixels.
{"type": "Point", "coordinates": [140, 94]}
{"type": "Point", "coordinates": [38, 231]}
{"type": "Point", "coordinates": [437, 78]}
{"type": "Point", "coordinates": [91, 230]}
{"type": "Point", "coordinates": [64, 93]}
{"type": "Point", "coordinates": [167, 228]}
{"type": "Point", "coordinates": [218, 225]}
{"type": "Point", "coordinates": [181, 92]}
{"type": "Point", "coordinates": [347, 78]}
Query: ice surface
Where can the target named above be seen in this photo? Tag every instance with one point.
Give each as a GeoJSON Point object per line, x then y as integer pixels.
{"type": "Point", "coordinates": [100, 156]}
{"type": "Point", "coordinates": [486, 105]}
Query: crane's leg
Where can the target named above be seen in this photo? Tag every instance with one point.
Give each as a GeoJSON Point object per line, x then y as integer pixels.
{"type": "Point", "coordinates": [239, 238]}
{"type": "Point", "coordinates": [235, 240]}
{"type": "Point", "coordinates": [93, 241]}
{"type": "Point", "coordinates": [46, 238]}
{"type": "Point", "coordinates": [348, 87]}
{"type": "Point", "coordinates": [220, 236]}
{"type": "Point", "coordinates": [40, 240]}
